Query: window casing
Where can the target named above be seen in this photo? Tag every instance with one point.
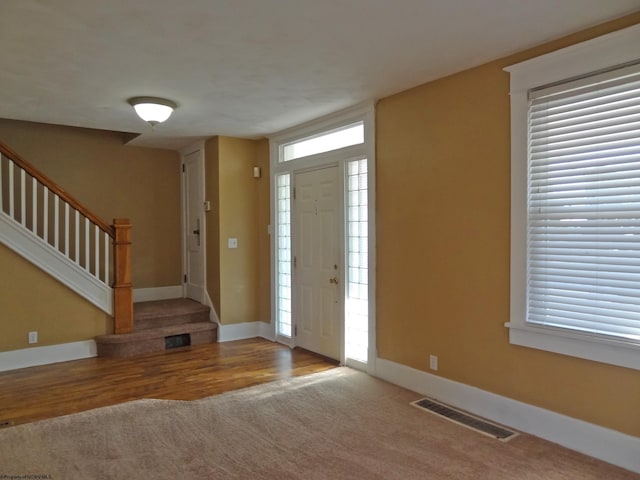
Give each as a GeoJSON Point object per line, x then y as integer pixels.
{"type": "Point", "coordinates": [575, 226]}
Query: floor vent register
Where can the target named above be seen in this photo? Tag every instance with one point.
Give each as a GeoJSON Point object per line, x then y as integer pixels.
{"type": "Point", "coordinates": [465, 419]}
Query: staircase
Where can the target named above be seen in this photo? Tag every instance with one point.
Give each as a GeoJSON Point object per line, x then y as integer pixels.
{"type": "Point", "coordinates": [161, 325]}
{"type": "Point", "coordinates": [43, 223]}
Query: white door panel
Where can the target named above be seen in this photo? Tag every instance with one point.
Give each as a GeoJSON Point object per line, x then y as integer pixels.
{"type": "Point", "coordinates": [316, 247]}
{"type": "Point", "coordinates": [194, 233]}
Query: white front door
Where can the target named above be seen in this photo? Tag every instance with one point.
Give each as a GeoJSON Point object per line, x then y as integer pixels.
{"type": "Point", "coordinates": [193, 171]}
{"type": "Point", "coordinates": [317, 261]}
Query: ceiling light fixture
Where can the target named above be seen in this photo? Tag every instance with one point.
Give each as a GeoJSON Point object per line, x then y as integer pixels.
{"type": "Point", "coordinates": [152, 109]}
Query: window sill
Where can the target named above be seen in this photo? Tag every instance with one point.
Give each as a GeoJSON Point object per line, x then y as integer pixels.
{"type": "Point", "coordinates": [576, 344]}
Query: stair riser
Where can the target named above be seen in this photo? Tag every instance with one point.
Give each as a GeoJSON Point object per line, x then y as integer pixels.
{"type": "Point", "coordinates": [141, 347]}
{"type": "Point", "coordinates": [154, 321]}
{"type": "Point", "coordinates": [180, 319]}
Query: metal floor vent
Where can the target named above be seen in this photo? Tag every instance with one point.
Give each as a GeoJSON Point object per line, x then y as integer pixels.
{"type": "Point", "coordinates": [175, 341]}
{"type": "Point", "coordinates": [465, 419]}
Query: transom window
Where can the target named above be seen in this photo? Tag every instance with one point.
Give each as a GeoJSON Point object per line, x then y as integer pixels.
{"type": "Point", "coordinates": [325, 142]}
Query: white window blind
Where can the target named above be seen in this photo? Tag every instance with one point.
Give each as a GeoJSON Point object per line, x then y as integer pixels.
{"type": "Point", "coordinates": [583, 246]}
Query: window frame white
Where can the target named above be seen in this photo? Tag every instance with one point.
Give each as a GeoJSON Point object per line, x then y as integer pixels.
{"type": "Point", "coordinates": [364, 113]}
{"type": "Point", "coordinates": [607, 51]}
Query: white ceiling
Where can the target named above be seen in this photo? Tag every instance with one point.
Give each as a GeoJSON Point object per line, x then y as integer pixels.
{"type": "Point", "coordinates": [249, 68]}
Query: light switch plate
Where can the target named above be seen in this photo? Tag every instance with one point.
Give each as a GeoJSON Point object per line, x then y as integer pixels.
{"type": "Point", "coordinates": [233, 243]}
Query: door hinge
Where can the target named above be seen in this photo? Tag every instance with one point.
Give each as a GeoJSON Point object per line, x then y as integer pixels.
{"type": "Point", "coordinates": [183, 168]}
{"type": "Point", "coordinates": [295, 330]}
{"type": "Point", "coordinates": [294, 193]}
{"type": "Point", "coordinates": [295, 262]}
{"type": "Point", "coordinates": [185, 278]}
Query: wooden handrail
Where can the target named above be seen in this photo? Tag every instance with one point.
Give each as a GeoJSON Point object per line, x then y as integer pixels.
{"type": "Point", "coordinates": [55, 188]}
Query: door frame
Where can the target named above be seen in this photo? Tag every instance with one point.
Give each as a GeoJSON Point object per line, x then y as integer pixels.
{"type": "Point", "coordinates": [364, 113]}
{"type": "Point", "coordinates": [184, 152]}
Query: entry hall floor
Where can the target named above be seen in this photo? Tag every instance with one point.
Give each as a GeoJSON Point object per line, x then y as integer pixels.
{"type": "Point", "coordinates": [187, 373]}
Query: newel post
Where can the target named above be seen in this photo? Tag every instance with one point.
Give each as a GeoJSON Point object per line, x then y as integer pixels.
{"type": "Point", "coordinates": [122, 288]}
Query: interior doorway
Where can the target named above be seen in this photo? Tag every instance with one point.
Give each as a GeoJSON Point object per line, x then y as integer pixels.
{"type": "Point", "coordinates": [193, 215]}
{"type": "Point", "coordinates": [317, 261]}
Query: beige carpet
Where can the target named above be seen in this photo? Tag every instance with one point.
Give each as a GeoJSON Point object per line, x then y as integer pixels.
{"type": "Point", "coordinates": [337, 424]}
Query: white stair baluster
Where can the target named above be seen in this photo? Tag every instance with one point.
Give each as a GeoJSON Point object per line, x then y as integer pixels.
{"type": "Point", "coordinates": [56, 221]}
{"type": "Point", "coordinates": [45, 214]}
{"type": "Point", "coordinates": [34, 205]}
{"type": "Point", "coordinates": [66, 229]}
{"type": "Point", "coordinates": [23, 199]}
{"type": "Point", "coordinates": [77, 231]}
{"type": "Point", "coordinates": [96, 234]}
{"type": "Point", "coordinates": [106, 258]}
{"type": "Point", "coordinates": [87, 245]}
{"type": "Point", "coordinates": [12, 213]}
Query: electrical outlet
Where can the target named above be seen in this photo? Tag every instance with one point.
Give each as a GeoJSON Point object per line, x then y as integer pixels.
{"type": "Point", "coordinates": [33, 337]}
{"type": "Point", "coordinates": [433, 362]}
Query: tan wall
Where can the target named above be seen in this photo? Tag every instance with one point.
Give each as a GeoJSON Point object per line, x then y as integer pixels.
{"type": "Point", "coordinates": [238, 219]}
{"type": "Point", "coordinates": [264, 239]}
{"type": "Point", "coordinates": [113, 180]}
{"type": "Point", "coordinates": [238, 279]}
{"type": "Point", "coordinates": [33, 301]}
{"type": "Point", "coordinates": [443, 249]}
{"type": "Point", "coordinates": [212, 194]}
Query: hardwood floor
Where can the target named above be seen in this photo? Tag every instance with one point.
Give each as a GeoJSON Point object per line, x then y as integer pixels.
{"type": "Point", "coordinates": [188, 373]}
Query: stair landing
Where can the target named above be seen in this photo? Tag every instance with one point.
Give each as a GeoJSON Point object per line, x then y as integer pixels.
{"type": "Point", "coordinates": [158, 325]}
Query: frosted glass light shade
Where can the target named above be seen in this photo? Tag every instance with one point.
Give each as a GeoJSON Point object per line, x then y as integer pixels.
{"type": "Point", "coordinates": [151, 109]}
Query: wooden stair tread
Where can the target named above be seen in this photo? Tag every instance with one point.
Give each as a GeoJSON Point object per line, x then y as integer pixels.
{"type": "Point", "coordinates": [154, 322]}
{"type": "Point", "coordinates": [167, 308]}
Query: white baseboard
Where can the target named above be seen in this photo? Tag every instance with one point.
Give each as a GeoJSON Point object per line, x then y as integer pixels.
{"type": "Point", "coordinates": [266, 331]}
{"type": "Point", "coordinates": [240, 331]}
{"type": "Point", "coordinates": [30, 357]}
{"type": "Point", "coordinates": [157, 293]}
{"type": "Point", "coordinates": [598, 442]}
